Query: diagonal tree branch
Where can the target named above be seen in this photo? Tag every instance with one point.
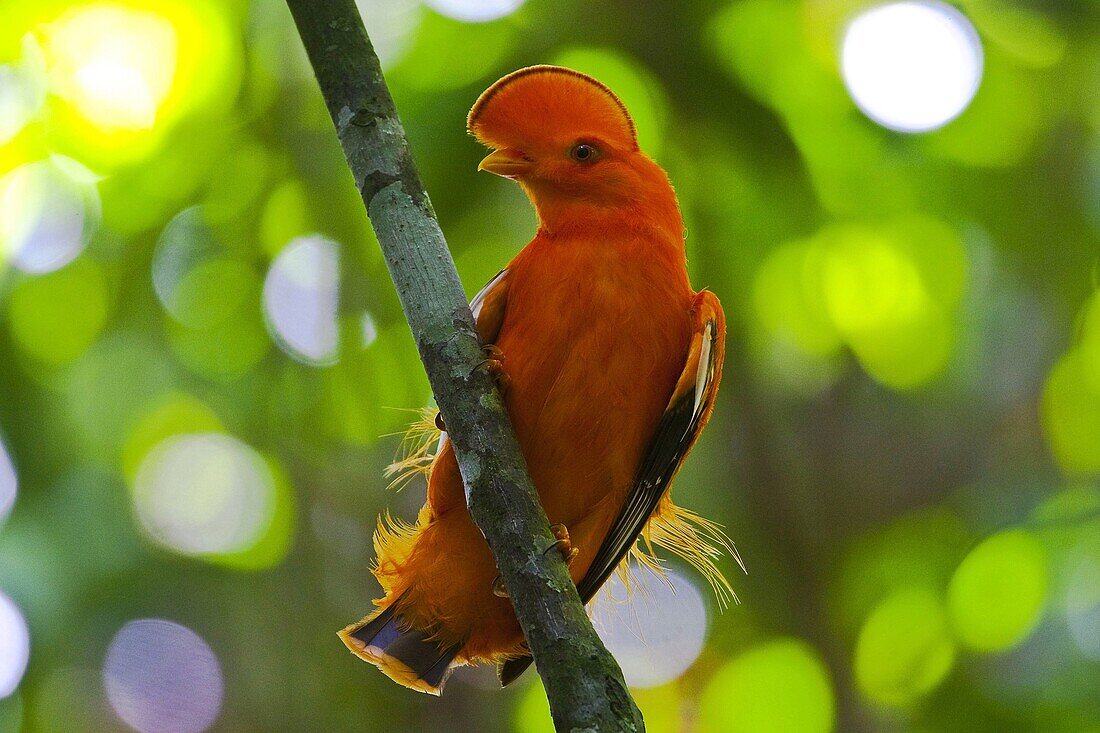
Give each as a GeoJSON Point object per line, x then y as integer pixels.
{"type": "Point", "coordinates": [583, 682]}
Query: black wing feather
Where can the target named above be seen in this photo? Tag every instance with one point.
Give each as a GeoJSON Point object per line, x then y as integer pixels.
{"type": "Point", "coordinates": [669, 445]}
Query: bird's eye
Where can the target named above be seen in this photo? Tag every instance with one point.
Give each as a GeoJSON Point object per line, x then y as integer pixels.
{"type": "Point", "coordinates": [583, 152]}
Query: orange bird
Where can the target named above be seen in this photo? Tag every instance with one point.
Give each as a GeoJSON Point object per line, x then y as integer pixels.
{"type": "Point", "coordinates": [611, 363]}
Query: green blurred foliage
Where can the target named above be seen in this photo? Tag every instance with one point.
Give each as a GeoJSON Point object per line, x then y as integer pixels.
{"type": "Point", "coordinates": [906, 447]}
{"type": "Point", "coordinates": [997, 594]}
{"type": "Point", "coordinates": [781, 685]}
{"type": "Point", "coordinates": [904, 649]}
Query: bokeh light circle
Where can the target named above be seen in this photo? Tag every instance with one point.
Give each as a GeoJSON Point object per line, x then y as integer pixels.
{"type": "Point", "coordinates": [1071, 399]}
{"type": "Point", "coordinates": [889, 291]}
{"type": "Point", "coordinates": [114, 64]}
{"type": "Point", "coordinates": [301, 299]}
{"type": "Point", "coordinates": [123, 74]}
{"type": "Point", "coordinates": [48, 211]}
{"type": "Point", "coordinates": [161, 677]}
{"type": "Point", "coordinates": [204, 494]}
{"type": "Point", "coordinates": [390, 25]}
{"type": "Point", "coordinates": [912, 66]}
{"type": "Point", "coordinates": [15, 646]}
{"type": "Point", "coordinates": [196, 278]}
{"type": "Point", "coordinates": [777, 687]}
{"type": "Point", "coordinates": [904, 649]}
{"type": "Point", "coordinates": [474, 11]}
{"type": "Point", "coordinates": [998, 593]}
{"type": "Point", "coordinates": [655, 627]}
{"type": "Point", "coordinates": [212, 292]}
{"type": "Point", "coordinates": [9, 484]}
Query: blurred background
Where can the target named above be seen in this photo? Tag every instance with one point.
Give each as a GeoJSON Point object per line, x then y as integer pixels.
{"type": "Point", "coordinates": [204, 367]}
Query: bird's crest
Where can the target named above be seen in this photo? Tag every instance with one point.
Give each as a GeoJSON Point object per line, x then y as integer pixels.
{"type": "Point", "coordinates": [527, 103]}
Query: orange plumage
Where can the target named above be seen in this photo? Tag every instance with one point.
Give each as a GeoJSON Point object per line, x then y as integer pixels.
{"type": "Point", "coordinates": [612, 365]}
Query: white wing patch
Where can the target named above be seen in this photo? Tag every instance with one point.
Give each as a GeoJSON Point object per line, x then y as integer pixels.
{"type": "Point", "coordinates": [479, 300]}
{"type": "Point", "coordinates": [703, 371]}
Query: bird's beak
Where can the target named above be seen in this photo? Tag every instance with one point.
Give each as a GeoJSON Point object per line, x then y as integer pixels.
{"type": "Point", "coordinates": [507, 163]}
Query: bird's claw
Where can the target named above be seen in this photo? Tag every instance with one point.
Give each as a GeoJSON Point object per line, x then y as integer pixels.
{"type": "Point", "coordinates": [494, 365]}
{"type": "Point", "coordinates": [563, 543]}
{"type": "Point", "coordinates": [498, 587]}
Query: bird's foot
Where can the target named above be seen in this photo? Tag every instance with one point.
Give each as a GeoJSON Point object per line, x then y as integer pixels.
{"type": "Point", "coordinates": [494, 365]}
{"type": "Point", "coordinates": [498, 587]}
{"type": "Point", "coordinates": [563, 543]}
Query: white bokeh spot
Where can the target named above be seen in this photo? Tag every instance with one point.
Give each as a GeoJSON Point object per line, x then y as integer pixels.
{"type": "Point", "coordinates": [161, 677]}
{"type": "Point", "coordinates": [912, 66]}
{"type": "Point", "coordinates": [48, 211]}
{"type": "Point", "coordinates": [9, 484]}
{"type": "Point", "coordinates": [203, 494]}
{"type": "Point", "coordinates": [302, 297]}
{"type": "Point", "coordinates": [656, 629]}
{"type": "Point", "coordinates": [15, 646]}
{"type": "Point", "coordinates": [114, 64]}
{"type": "Point", "coordinates": [474, 11]}
{"type": "Point", "coordinates": [390, 25]}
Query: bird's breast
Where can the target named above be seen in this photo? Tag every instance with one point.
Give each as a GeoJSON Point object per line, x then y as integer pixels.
{"type": "Point", "coordinates": [594, 338]}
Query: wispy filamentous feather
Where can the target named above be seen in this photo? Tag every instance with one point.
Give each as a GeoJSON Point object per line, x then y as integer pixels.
{"type": "Point", "coordinates": [694, 539]}
{"type": "Point", "coordinates": [418, 445]}
{"type": "Point", "coordinates": [393, 540]}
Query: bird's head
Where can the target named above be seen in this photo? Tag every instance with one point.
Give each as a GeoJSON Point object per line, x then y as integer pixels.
{"type": "Point", "coordinates": [567, 139]}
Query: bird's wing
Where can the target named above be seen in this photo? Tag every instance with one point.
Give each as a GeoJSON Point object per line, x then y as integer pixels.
{"type": "Point", "coordinates": [687, 413]}
{"type": "Point", "coordinates": [488, 307]}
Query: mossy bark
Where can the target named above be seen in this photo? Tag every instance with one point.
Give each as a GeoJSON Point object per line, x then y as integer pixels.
{"type": "Point", "coordinates": [583, 682]}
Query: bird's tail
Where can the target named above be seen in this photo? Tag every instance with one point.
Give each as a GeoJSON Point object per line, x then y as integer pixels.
{"type": "Point", "coordinates": [510, 670]}
{"type": "Point", "coordinates": [407, 656]}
